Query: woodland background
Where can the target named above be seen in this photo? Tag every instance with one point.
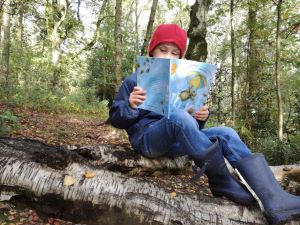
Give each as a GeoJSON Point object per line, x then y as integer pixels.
{"type": "Point", "coordinates": [70, 56]}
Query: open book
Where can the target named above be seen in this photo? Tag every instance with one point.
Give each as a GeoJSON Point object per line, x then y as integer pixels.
{"type": "Point", "coordinates": [174, 84]}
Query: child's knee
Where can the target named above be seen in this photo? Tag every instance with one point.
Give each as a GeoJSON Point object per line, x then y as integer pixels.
{"type": "Point", "coordinates": [229, 132]}
{"type": "Point", "coordinates": [181, 117]}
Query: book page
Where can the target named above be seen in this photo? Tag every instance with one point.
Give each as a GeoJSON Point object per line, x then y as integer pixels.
{"type": "Point", "coordinates": [153, 76]}
{"type": "Point", "coordinates": [190, 83]}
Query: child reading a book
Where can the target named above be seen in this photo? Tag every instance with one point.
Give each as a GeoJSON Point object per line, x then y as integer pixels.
{"type": "Point", "coordinates": [153, 135]}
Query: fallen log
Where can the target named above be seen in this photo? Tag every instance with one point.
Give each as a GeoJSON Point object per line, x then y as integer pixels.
{"type": "Point", "coordinates": [43, 170]}
{"type": "Point", "coordinates": [123, 158]}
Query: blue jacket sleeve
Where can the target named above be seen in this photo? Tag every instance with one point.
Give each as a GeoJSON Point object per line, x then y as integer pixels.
{"type": "Point", "coordinates": [201, 124]}
{"type": "Point", "coordinates": [121, 114]}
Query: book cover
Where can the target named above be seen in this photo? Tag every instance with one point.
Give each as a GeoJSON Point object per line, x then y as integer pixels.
{"type": "Point", "coordinates": [173, 84]}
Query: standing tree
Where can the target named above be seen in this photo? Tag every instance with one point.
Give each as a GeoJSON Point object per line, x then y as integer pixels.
{"type": "Point", "coordinates": [20, 36]}
{"type": "Point", "coordinates": [149, 27]}
{"type": "Point", "coordinates": [253, 65]}
{"type": "Point", "coordinates": [21, 23]}
{"type": "Point", "coordinates": [136, 26]}
{"type": "Point", "coordinates": [56, 14]}
{"type": "Point", "coordinates": [197, 48]}
{"type": "Point", "coordinates": [233, 61]}
{"type": "Point", "coordinates": [118, 44]}
{"type": "Point", "coordinates": [5, 41]}
{"type": "Point", "coordinates": [277, 72]}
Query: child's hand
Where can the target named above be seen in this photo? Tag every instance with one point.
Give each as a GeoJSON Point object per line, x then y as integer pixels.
{"type": "Point", "coordinates": [202, 114]}
{"type": "Point", "coordinates": [137, 97]}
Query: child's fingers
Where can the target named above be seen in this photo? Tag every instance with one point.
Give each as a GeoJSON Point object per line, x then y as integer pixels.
{"type": "Point", "coordinates": [204, 107]}
{"type": "Point", "coordinates": [137, 97]}
{"type": "Point", "coordinates": [202, 118]}
{"type": "Point", "coordinates": [202, 113]}
{"type": "Point", "coordinates": [140, 93]}
{"type": "Point", "coordinates": [137, 89]}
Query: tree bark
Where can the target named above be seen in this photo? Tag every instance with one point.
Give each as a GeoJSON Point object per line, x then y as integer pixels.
{"type": "Point", "coordinates": [277, 73]}
{"type": "Point", "coordinates": [197, 48]}
{"type": "Point", "coordinates": [118, 44]}
{"type": "Point", "coordinates": [5, 41]}
{"type": "Point", "coordinates": [233, 62]}
{"type": "Point", "coordinates": [22, 77]}
{"type": "Point", "coordinates": [21, 24]}
{"type": "Point", "coordinates": [136, 27]}
{"type": "Point", "coordinates": [56, 14]}
{"type": "Point", "coordinates": [253, 67]}
{"type": "Point", "coordinates": [149, 27]}
{"type": "Point", "coordinates": [42, 171]}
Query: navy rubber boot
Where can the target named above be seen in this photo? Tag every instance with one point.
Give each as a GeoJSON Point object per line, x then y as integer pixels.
{"type": "Point", "coordinates": [278, 205]}
{"type": "Point", "coordinates": [221, 181]}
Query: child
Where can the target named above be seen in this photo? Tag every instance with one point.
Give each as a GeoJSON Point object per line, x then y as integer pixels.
{"type": "Point", "coordinates": [153, 135]}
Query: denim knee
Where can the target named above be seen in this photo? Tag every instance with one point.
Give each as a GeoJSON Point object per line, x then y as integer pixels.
{"type": "Point", "coordinates": [184, 119]}
{"type": "Point", "coordinates": [228, 133]}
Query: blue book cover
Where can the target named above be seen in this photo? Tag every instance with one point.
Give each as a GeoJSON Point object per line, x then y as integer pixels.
{"type": "Point", "coordinates": [173, 84]}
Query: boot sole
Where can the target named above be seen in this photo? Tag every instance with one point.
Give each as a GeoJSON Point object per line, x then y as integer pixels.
{"type": "Point", "coordinates": [279, 218]}
{"type": "Point", "coordinates": [236, 200]}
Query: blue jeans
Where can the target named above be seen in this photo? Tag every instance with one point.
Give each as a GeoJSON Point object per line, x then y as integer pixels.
{"type": "Point", "coordinates": [180, 135]}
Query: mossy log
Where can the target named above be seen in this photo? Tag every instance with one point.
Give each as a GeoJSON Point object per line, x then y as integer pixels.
{"type": "Point", "coordinates": [43, 170]}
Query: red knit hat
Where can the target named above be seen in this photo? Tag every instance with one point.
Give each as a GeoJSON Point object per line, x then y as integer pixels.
{"type": "Point", "coordinates": [171, 33]}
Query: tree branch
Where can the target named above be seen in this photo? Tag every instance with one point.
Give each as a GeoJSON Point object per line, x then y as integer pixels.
{"type": "Point", "coordinates": [96, 35]}
{"type": "Point", "coordinates": [276, 3]}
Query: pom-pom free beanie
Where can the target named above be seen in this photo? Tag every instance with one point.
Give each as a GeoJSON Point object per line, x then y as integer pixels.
{"type": "Point", "coordinates": [171, 33]}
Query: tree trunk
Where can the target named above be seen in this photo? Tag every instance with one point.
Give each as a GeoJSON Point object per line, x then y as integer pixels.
{"type": "Point", "coordinates": [149, 27]}
{"type": "Point", "coordinates": [253, 65]}
{"type": "Point", "coordinates": [197, 48]}
{"type": "Point", "coordinates": [5, 42]}
{"type": "Point", "coordinates": [136, 27]}
{"type": "Point", "coordinates": [21, 25]}
{"type": "Point", "coordinates": [118, 44]}
{"type": "Point", "coordinates": [22, 77]}
{"type": "Point", "coordinates": [104, 82]}
{"type": "Point", "coordinates": [277, 72]}
{"type": "Point", "coordinates": [233, 63]}
{"type": "Point", "coordinates": [42, 170]}
{"type": "Point", "coordinates": [56, 14]}
{"type": "Point", "coordinates": [92, 177]}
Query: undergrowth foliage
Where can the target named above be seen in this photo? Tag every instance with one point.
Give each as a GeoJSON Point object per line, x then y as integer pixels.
{"type": "Point", "coordinates": [41, 99]}
{"type": "Point", "coordinates": [9, 123]}
{"type": "Point", "coordinates": [276, 152]}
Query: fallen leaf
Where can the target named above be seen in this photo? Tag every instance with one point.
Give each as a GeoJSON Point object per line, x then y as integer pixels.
{"type": "Point", "coordinates": [12, 212]}
{"type": "Point", "coordinates": [89, 174]}
{"type": "Point", "coordinates": [10, 218]}
{"type": "Point", "coordinates": [173, 194]}
{"type": "Point", "coordinates": [69, 180]}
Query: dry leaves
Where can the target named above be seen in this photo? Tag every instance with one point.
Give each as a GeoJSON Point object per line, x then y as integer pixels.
{"type": "Point", "coordinates": [69, 180]}
{"type": "Point", "coordinates": [89, 174]}
{"type": "Point", "coordinates": [173, 194]}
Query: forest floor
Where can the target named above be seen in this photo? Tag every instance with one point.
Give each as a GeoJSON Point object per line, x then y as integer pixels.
{"type": "Point", "coordinates": [80, 131]}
